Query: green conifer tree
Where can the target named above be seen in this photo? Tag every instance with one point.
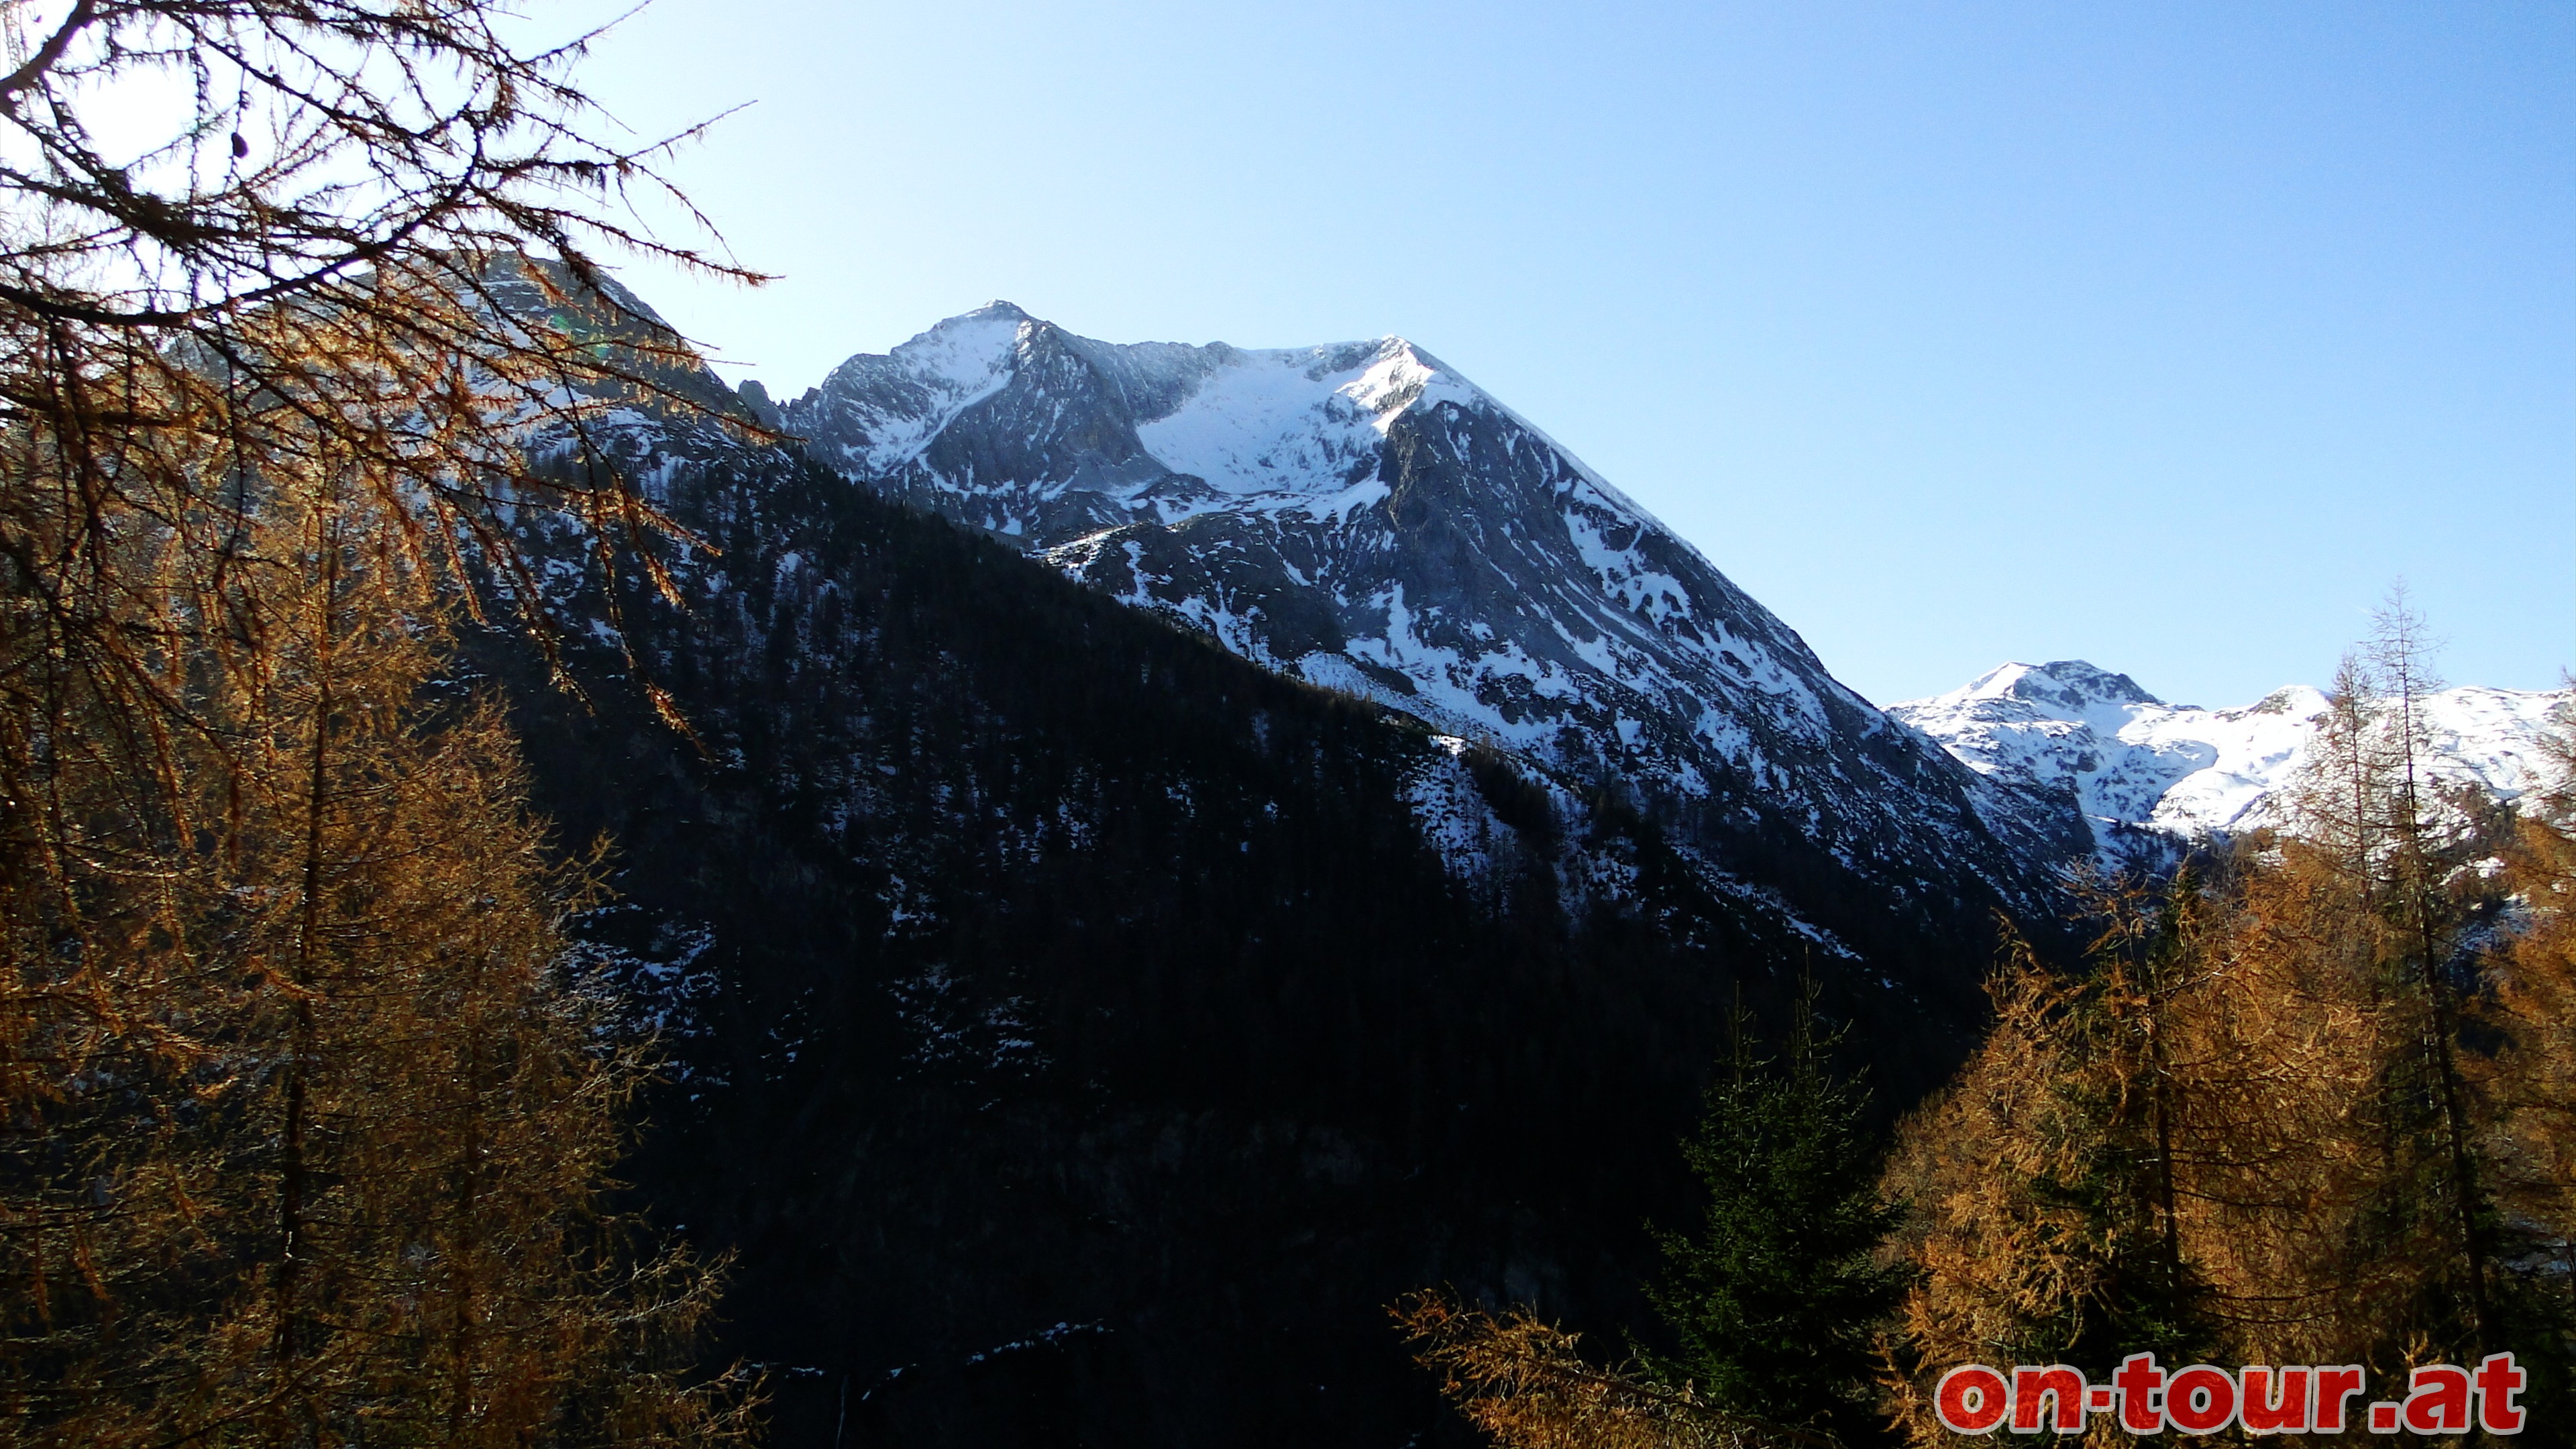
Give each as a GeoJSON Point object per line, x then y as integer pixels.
{"type": "Point", "coordinates": [1776, 1299]}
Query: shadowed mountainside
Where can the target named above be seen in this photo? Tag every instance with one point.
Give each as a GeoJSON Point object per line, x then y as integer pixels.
{"type": "Point", "coordinates": [1083, 1033]}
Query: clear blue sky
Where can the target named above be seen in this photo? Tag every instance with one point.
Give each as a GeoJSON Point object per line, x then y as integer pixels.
{"type": "Point", "coordinates": [2161, 335]}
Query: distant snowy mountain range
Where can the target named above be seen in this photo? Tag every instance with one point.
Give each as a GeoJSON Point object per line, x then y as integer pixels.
{"type": "Point", "coordinates": [2146, 775]}
{"type": "Point", "coordinates": [1362, 517]}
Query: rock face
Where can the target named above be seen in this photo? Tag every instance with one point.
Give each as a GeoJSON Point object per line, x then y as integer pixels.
{"type": "Point", "coordinates": [2149, 778]}
{"type": "Point", "coordinates": [1362, 517]}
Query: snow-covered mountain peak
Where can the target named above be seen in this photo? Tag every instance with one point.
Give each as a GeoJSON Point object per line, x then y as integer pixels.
{"type": "Point", "coordinates": [2062, 692]}
{"type": "Point", "coordinates": [967, 349]}
{"type": "Point", "coordinates": [879, 409]}
{"type": "Point", "coordinates": [2062, 683]}
{"type": "Point", "coordinates": [1404, 376]}
{"type": "Point", "coordinates": [1364, 517]}
{"type": "Point", "coordinates": [2148, 776]}
{"type": "Point", "coordinates": [1296, 421]}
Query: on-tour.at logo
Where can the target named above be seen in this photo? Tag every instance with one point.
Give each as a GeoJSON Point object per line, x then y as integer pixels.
{"type": "Point", "coordinates": [2202, 1399]}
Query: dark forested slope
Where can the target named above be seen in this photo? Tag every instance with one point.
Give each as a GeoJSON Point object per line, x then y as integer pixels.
{"type": "Point", "coordinates": [1077, 1039]}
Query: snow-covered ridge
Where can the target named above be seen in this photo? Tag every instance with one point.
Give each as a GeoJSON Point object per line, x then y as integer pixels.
{"type": "Point", "coordinates": [1233, 427]}
{"type": "Point", "coordinates": [935, 376]}
{"type": "Point", "coordinates": [2144, 773]}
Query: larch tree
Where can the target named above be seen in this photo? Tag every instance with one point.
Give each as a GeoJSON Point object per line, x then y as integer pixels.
{"type": "Point", "coordinates": [1524, 1383]}
{"type": "Point", "coordinates": [2310, 1109]}
{"type": "Point", "coordinates": [2041, 1183]}
{"type": "Point", "coordinates": [2374, 889]}
{"type": "Point", "coordinates": [2530, 1084]}
{"type": "Point", "coordinates": [2522, 1089]}
{"type": "Point", "coordinates": [304, 1127]}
